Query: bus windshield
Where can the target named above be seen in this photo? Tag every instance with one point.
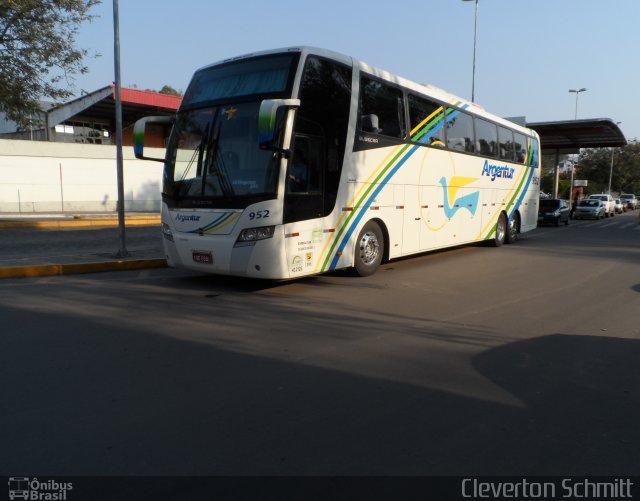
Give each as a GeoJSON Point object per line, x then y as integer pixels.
{"type": "Point", "coordinates": [213, 155]}
{"type": "Point", "coordinates": [213, 159]}
{"type": "Point", "coordinates": [266, 75]}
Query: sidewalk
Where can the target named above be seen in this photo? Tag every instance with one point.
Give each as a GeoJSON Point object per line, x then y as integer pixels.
{"type": "Point", "coordinates": [37, 245]}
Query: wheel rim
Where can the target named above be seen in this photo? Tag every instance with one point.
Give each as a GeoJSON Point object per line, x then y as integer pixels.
{"type": "Point", "coordinates": [500, 229]}
{"type": "Point", "coordinates": [369, 248]}
{"type": "Point", "coordinates": [513, 228]}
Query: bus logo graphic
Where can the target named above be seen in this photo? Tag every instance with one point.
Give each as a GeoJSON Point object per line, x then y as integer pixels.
{"type": "Point", "coordinates": [182, 218]}
{"type": "Point", "coordinates": [494, 171]}
{"type": "Point", "coordinates": [18, 487]}
{"type": "Point", "coordinates": [453, 204]}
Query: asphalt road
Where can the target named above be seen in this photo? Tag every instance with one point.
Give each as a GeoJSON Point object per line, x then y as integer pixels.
{"type": "Point", "coordinates": [521, 360]}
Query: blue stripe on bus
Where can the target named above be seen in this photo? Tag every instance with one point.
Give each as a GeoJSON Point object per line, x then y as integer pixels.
{"type": "Point", "coordinates": [213, 223]}
{"type": "Point", "coordinates": [522, 195]}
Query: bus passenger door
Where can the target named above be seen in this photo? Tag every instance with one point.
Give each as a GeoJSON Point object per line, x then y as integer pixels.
{"type": "Point", "coordinates": [303, 198]}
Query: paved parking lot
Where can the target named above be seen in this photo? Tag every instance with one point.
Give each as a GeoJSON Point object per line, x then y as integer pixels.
{"type": "Point", "coordinates": [520, 360]}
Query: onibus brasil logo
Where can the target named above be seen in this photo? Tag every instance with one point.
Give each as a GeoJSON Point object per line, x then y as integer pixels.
{"type": "Point", "coordinates": [34, 489]}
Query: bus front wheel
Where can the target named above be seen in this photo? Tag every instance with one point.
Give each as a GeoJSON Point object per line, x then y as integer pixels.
{"type": "Point", "coordinates": [369, 249]}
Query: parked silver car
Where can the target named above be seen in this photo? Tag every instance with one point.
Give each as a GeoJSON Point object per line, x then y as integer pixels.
{"type": "Point", "coordinates": [607, 201]}
{"type": "Point", "coordinates": [589, 208]}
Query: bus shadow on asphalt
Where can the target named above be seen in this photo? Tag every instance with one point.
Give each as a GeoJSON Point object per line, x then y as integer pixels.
{"type": "Point", "coordinates": [163, 398]}
{"type": "Point", "coordinates": [581, 397]}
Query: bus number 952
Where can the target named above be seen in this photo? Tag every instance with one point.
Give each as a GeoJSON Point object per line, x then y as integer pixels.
{"type": "Point", "coordinates": [261, 214]}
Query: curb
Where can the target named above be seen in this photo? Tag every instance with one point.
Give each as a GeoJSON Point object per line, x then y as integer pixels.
{"type": "Point", "coordinates": [46, 270]}
{"type": "Point", "coordinates": [81, 223]}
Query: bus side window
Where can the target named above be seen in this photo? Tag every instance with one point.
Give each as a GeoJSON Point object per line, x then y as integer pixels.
{"type": "Point", "coordinates": [383, 104]}
{"type": "Point", "coordinates": [520, 141]}
{"type": "Point", "coordinates": [487, 137]}
{"type": "Point", "coordinates": [304, 171]}
{"type": "Point", "coordinates": [298, 178]}
{"type": "Point", "coordinates": [426, 121]}
{"type": "Point", "coordinates": [506, 143]}
{"type": "Point", "coordinates": [460, 135]}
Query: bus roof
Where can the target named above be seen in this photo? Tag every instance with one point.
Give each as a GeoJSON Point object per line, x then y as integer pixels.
{"type": "Point", "coordinates": [426, 89]}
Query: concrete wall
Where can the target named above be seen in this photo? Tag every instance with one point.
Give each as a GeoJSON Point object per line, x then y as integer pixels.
{"type": "Point", "coordinates": [40, 176]}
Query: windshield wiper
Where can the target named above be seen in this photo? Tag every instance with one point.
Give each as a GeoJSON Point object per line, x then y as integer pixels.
{"type": "Point", "coordinates": [181, 187]}
{"type": "Point", "coordinates": [214, 164]}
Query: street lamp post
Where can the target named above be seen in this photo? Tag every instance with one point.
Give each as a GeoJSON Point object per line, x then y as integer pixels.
{"type": "Point", "coordinates": [577, 94]}
{"type": "Point", "coordinates": [122, 251]}
{"type": "Point", "coordinates": [611, 168]}
{"type": "Point", "coordinates": [611, 171]}
{"type": "Point", "coordinates": [475, 32]}
{"type": "Point", "coordinates": [571, 184]}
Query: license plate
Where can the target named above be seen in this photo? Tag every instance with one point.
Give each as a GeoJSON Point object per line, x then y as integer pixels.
{"type": "Point", "coordinates": [202, 257]}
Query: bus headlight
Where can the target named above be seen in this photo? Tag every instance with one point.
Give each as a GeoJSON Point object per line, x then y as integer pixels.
{"type": "Point", "coordinates": [250, 236]}
{"type": "Point", "coordinates": [166, 232]}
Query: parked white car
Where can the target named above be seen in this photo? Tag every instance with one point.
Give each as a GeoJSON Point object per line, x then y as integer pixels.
{"type": "Point", "coordinates": [619, 206]}
{"type": "Point", "coordinates": [607, 201]}
{"type": "Point", "coordinates": [629, 200]}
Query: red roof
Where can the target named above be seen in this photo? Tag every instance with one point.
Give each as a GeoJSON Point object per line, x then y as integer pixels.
{"type": "Point", "coordinates": [149, 98]}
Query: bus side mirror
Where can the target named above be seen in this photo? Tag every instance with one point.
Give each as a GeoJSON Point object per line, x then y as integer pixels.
{"type": "Point", "coordinates": [139, 131]}
{"type": "Point", "coordinates": [268, 120]}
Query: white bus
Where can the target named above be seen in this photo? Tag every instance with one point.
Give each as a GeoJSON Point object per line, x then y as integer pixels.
{"type": "Point", "coordinates": [301, 161]}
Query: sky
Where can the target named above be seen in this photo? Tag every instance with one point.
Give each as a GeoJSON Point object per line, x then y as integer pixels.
{"type": "Point", "coordinates": [529, 53]}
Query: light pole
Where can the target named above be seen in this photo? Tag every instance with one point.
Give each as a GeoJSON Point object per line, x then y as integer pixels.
{"type": "Point", "coordinates": [475, 32]}
{"type": "Point", "coordinates": [577, 94]}
{"type": "Point", "coordinates": [573, 168]}
{"type": "Point", "coordinates": [611, 171]}
{"type": "Point", "coordinates": [611, 168]}
{"type": "Point", "coordinates": [122, 251]}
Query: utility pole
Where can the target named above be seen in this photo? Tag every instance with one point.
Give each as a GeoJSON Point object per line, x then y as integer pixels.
{"type": "Point", "coordinates": [475, 38]}
{"type": "Point", "coordinates": [122, 250]}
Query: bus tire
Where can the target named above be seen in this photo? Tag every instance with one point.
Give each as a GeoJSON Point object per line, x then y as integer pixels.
{"type": "Point", "coordinates": [513, 229]}
{"type": "Point", "coordinates": [501, 231]}
{"type": "Point", "coordinates": [369, 249]}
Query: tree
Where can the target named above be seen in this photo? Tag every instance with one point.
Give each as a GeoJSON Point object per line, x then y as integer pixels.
{"type": "Point", "coordinates": [167, 89]}
{"type": "Point", "coordinates": [595, 166]}
{"type": "Point", "coordinates": [548, 178]}
{"type": "Point", "coordinates": [37, 55]}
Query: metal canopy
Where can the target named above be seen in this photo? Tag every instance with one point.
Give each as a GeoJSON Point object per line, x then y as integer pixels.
{"type": "Point", "coordinates": [99, 106]}
{"type": "Point", "coordinates": [104, 110]}
{"type": "Point", "coordinates": [571, 135]}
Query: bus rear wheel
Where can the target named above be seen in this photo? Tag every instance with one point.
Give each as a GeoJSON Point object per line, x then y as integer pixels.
{"type": "Point", "coordinates": [513, 229]}
{"type": "Point", "coordinates": [501, 231]}
{"type": "Point", "coordinates": [369, 249]}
